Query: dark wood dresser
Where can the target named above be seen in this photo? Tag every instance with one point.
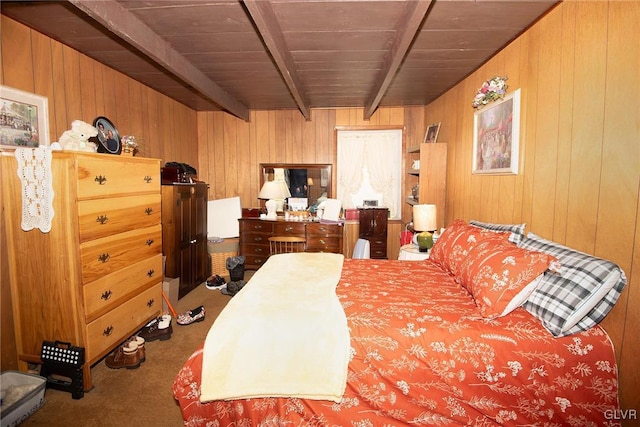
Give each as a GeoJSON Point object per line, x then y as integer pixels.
{"type": "Point", "coordinates": [184, 231]}
{"type": "Point", "coordinates": [373, 227]}
{"type": "Point", "coordinates": [255, 233]}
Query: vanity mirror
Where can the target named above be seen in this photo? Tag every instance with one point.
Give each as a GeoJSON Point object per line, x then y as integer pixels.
{"type": "Point", "coordinates": [304, 180]}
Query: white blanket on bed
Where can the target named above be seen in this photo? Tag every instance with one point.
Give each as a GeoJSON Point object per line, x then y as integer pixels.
{"type": "Point", "coordinates": [283, 335]}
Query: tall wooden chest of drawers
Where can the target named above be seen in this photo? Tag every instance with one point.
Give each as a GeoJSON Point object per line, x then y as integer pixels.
{"type": "Point", "coordinates": [96, 277]}
{"type": "Point", "coordinates": [255, 233]}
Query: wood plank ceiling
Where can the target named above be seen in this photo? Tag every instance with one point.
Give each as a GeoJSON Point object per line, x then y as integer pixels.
{"type": "Point", "coordinates": [287, 54]}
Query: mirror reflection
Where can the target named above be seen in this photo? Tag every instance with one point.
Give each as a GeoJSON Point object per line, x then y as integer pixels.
{"type": "Point", "coordinates": [305, 181]}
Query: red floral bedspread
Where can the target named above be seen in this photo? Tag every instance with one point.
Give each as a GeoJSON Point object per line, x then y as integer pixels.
{"type": "Point", "coordinates": [423, 355]}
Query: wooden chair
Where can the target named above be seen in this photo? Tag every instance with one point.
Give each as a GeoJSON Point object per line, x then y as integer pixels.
{"type": "Point", "coordinates": [286, 244]}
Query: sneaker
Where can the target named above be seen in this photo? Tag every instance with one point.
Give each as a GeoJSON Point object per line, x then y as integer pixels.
{"type": "Point", "coordinates": [215, 282]}
{"type": "Point", "coordinates": [194, 315]}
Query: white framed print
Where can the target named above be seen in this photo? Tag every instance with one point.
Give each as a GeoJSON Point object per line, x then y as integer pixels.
{"type": "Point", "coordinates": [24, 119]}
{"type": "Point", "coordinates": [496, 137]}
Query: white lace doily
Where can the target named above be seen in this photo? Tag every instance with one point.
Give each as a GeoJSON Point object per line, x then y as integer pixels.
{"type": "Point", "coordinates": [34, 171]}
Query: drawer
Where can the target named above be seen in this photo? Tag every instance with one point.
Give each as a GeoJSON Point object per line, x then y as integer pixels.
{"type": "Point", "coordinates": [100, 176]}
{"type": "Point", "coordinates": [109, 291]}
{"type": "Point", "coordinates": [317, 229]}
{"type": "Point", "coordinates": [104, 217]}
{"type": "Point", "coordinates": [109, 254]}
{"type": "Point", "coordinates": [378, 251]}
{"type": "Point", "coordinates": [289, 229]}
{"type": "Point", "coordinates": [254, 261]}
{"type": "Point", "coordinates": [259, 250]}
{"type": "Point", "coordinates": [324, 244]}
{"type": "Point", "coordinates": [107, 331]}
{"type": "Point", "coordinates": [256, 225]}
{"type": "Point", "coordinates": [254, 239]}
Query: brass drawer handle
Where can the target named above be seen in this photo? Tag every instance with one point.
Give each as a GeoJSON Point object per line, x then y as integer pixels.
{"type": "Point", "coordinates": [151, 272]}
{"type": "Point", "coordinates": [322, 229]}
{"type": "Point", "coordinates": [104, 258]}
{"type": "Point", "coordinates": [102, 219]}
{"type": "Point", "coordinates": [106, 295]}
{"type": "Point", "coordinates": [288, 228]}
{"type": "Point", "coordinates": [107, 331]}
{"type": "Point", "coordinates": [148, 211]}
{"type": "Point", "coordinates": [258, 250]}
{"type": "Point", "coordinates": [100, 179]}
{"type": "Point", "coordinates": [322, 242]}
{"type": "Point", "coordinates": [151, 302]}
{"type": "Point", "coordinates": [258, 239]}
{"type": "Point", "coordinates": [147, 179]}
{"type": "Point", "coordinates": [149, 242]}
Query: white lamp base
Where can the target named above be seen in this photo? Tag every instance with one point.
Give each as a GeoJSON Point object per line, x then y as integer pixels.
{"type": "Point", "coordinates": [271, 209]}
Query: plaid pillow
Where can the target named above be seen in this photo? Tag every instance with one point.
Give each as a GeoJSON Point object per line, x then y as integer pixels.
{"type": "Point", "coordinates": [578, 297]}
{"type": "Point", "coordinates": [516, 230]}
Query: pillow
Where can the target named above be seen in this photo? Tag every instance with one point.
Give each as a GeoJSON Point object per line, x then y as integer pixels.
{"type": "Point", "coordinates": [500, 275]}
{"type": "Point", "coordinates": [580, 295]}
{"type": "Point", "coordinates": [453, 245]}
{"type": "Point", "coordinates": [516, 230]}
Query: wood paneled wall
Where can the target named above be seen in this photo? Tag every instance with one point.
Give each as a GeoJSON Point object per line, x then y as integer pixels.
{"type": "Point", "coordinates": [78, 87]}
{"type": "Point", "coordinates": [579, 183]}
{"type": "Point", "coordinates": [231, 149]}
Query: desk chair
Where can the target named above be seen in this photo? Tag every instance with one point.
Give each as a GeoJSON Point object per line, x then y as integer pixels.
{"type": "Point", "coordinates": [286, 244]}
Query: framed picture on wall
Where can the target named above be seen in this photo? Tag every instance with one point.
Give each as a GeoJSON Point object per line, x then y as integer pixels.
{"type": "Point", "coordinates": [431, 135]}
{"type": "Point", "coordinates": [24, 119]}
{"type": "Point", "coordinates": [496, 136]}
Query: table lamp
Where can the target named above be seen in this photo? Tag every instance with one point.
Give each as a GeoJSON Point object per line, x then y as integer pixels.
{"type": "Point", "coordinates": [424, 222]}
{"type": "Point", "coordinates": [273, 191]}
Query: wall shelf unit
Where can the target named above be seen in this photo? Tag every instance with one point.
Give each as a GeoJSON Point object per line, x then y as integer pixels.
{"type": "Point", "coordinates": [431, 177]}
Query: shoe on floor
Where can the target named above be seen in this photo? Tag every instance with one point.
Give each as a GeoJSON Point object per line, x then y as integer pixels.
{"type": "Point", "coordinates": [157, 329]}
{"type": "Point", "coordinates": [142, 353]}
{"type": "Point", "coordinates": [125, 356]}
{"type": "Point", "coordinates": [193, 315]}
{"type": "Point", "coordinates": [215, 282]}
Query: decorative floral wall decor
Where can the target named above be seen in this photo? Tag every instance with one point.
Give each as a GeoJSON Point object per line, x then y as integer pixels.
{"type": "Point", "coordinates": [490, 91]}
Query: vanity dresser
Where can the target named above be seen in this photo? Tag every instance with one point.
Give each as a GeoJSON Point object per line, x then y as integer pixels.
{"type": "Point", "coordinates": [255, 233]}
{"type": "Point", "coordinates": [95, 278]}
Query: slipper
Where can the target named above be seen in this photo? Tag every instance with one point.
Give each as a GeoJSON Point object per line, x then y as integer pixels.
{"type": "Point", "coordinates": [193, 315]}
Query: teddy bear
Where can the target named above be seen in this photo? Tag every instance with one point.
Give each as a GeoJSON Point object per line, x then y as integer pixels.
{"type": "Point", "coordinates": [77, 138]}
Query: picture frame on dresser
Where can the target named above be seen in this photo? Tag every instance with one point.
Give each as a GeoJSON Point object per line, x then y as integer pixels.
{"type": "Point", "coordinates": [24, 119]}
{"type": "Point", "coordinates": [108, 138]}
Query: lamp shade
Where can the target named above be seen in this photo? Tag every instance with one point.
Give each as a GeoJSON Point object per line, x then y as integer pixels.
{"type": "Point", "coordinates": [424, 218]}
{"type": "Point", "coordinates": [276, 190]}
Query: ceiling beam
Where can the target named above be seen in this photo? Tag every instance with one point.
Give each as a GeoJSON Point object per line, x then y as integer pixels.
{"type": "Point", "coordinates": [265, 20]}
{"type": "Point", "coordinates": [406, 30]}
{"type": "Point", "coordinates": [129, 28]}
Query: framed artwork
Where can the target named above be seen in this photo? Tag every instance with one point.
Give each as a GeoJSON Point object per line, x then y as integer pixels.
{"type": "Point", "coordinates": [24, 119]}
{"type": "Point", "coordinates": [496, 136]}
{"type": "Point", "coordinates": [108, 139]}
{"type": "Point", "coordinates": [432, 133]}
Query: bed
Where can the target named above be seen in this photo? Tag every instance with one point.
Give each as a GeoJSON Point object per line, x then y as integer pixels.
{"type": "Point", "coordinates": [437, 342]}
